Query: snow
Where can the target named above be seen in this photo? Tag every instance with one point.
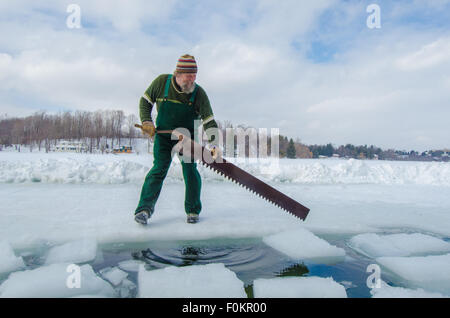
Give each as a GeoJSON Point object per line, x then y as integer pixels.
{"type": "Point", "coordinates": [51, 281]}
{"type": "Point", "coordinates": [9, 262]}
{"type": "Point", "coordinates": [196, 281]}
{"type": "Point", "coordinates": [298, 287]}
{"type": "Point", "coordinates": [415, 244]}
{"type": "Point", "coordinates": [80, 251]}
{"type": "Point", "coordinates": [301, 244]}
{"type": "Point", "coordinates": [386, 291]}
{"type": "Point", "coordinates": [431, 273]}
{"type": "Point", "coordinates": [57, 167]}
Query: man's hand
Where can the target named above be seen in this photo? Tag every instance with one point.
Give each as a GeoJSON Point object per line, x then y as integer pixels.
{"type": "Point", "coordinates": [148, 128]}
{"type": "Point", "coordinates": [215, 152]}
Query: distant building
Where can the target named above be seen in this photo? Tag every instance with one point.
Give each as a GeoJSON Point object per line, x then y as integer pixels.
{"type": "Point", "coordinates": [123, 149]}
{"type": "Point", "coordinates": [71, 146]}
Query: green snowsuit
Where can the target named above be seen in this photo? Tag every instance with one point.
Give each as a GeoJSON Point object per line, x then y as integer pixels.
{"type": "Point", "coordinates": [175, 109]}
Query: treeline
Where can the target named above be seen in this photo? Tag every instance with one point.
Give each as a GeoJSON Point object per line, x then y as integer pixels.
{"type": "Point", "coordinates": [106, 129]}
{"type": "Point", "coordinates": [42, 130]}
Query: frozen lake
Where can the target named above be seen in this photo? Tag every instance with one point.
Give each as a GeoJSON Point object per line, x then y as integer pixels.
{"type": "Point", "coordinates": [395, 215]}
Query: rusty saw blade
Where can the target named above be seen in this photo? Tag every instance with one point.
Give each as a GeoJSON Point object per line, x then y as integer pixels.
{"type": "Point", "coordinates": [258, 187]}
{"type": "Point", "coordinates": [237, 175]}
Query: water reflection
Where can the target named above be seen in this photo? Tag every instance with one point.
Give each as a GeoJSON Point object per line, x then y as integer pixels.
{"type": "Point", "coordinates": [294, 270]}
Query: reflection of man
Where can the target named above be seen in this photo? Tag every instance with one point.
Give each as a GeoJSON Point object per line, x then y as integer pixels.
{"type": "Point", "coordinates": [179, 101]}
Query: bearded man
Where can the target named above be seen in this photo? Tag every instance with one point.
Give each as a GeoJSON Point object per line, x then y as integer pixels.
{"type": "Point", "coordinates": [179, 102]}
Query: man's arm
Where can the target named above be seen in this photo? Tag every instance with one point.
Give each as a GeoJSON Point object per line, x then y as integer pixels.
{"type": "Point", "coordinates": [206, 114]}
{"type": "Point", "coordinates": [148, 99]}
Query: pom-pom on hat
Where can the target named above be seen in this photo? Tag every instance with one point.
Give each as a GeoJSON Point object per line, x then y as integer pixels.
{"type": "Point", "coordinates": [186, 64]}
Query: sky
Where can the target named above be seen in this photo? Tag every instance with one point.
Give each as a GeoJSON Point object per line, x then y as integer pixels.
{"type": "Point", "coordinates": [313, 69]}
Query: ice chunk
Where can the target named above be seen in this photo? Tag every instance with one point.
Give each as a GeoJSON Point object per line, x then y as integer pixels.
{"type": "Point", "coordinates": [298, 287]}
{"type": "Point", "coordinates": [428, 272]}
{"type": "Point", "coordinates": [374, 245]}
{"type": "Point", "coordinates": [386, 291]}
{"type": "Point", "coordinates": [301, 244]}
{"type": "Point", "coordinates": [56, 280]}
{"type": "Point", "coordinates": [114, 275]}
{"type": "Point", "coordinates": [197, 281]}
{"type": "Point", "coordinates": [9, 262]}
{"type": "Point", "coordinates": [80, 251]}
{"type": "Point", "coordinates": [127, 289]}
{"type": "Point", "coordinates": [130, 265]}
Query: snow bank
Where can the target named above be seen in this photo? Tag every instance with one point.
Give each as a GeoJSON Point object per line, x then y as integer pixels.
{"type": "Point", "coordinates": [301, 244]}
{"type": "Point", "coordinates": [386, 291]}
{"type": "Point", "coordinates": [374, 245]}
{"type": "Point", "coordinates": [9, 262]}
{"type": "Point", "coordinates": [428, 272]}
{"type": "Point", "coordinates": [80, 251]}
{"type": "Point", "coordinates": [51, 281]}
{"type": "Point", "coordinates": [298, 287]}
{"type": "Point", "coordinates": [198, 281]}
{"type": "Point", "coordinates": [116, 169]}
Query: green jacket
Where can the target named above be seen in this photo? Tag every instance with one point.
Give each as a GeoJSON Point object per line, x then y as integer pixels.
{"type": "Point", "coordinates": [155, 93]}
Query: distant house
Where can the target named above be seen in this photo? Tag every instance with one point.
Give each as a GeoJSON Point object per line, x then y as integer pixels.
{"type": "Point", "coordinates": [336, 155]}
{"type": "Point", "coordinates": [70, 146]}
{"type": "Point", "coordinates": [123, 149]}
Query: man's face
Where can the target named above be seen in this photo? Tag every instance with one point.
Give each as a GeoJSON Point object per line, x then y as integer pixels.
{"type": "Point", "coordinates": [186, 81]}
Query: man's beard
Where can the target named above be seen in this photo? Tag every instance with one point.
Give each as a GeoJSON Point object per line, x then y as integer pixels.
{"type": "Point", "coordinates": [188, 87]}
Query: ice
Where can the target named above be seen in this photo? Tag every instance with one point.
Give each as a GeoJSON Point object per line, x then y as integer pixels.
{"type": "Point", "coordinates": [54, 281]}
{"type": "Point", "coordinates": [386, 291]}
{"type": "Point", "coordinates": [298, 287]}
{"type": "Point", "coordinates": [55, 198]}
{"type": "Point", "coordinates": [431, 273]}
{"type": "Point", "coordinates": [114, 275]}
{"type": "Point", "coordinates": [81, 251]}
{"type": "Point", "coordinates": [9, 262]}
{"type": "Point", "coordinates": [197, 281]}
{"type": "Point", "coordinates": [130, 265]}
{"type": "Point", "coordinates": [127, 289]}
{"type": "Point", "coordinates": [300, 244]}
{"type": "Point", "coordinates": [416, 244]}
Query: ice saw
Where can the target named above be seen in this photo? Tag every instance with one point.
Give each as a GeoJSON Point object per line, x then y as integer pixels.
{"type": "Point", "coordinates": [228, 170]}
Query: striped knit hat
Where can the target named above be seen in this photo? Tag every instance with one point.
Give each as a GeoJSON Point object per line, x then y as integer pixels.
{"type": "Point", "coordinates": [186, 64]}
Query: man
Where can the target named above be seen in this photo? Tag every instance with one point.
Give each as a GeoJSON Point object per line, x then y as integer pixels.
{"type": "Point", "coordinates": [179, 101]}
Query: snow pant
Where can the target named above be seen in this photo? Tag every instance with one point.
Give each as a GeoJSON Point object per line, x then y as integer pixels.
{"type": "Point", "coordinates": [151, 189]}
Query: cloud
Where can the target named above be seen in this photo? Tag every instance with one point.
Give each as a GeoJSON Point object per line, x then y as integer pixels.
{"type": "Point", "coordinates": [259, 62]}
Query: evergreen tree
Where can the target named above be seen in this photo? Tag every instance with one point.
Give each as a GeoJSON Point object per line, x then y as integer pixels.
{"type": "Point", "coordinates": [291, 153]}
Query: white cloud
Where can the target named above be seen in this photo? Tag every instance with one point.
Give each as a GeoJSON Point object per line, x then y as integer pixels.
{"type": "Point", "coordinates": [380, 90]}
{"type": "Point", "coordinates": [429, 55]}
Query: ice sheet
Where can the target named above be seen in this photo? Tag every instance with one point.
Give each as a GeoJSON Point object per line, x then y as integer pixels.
{"type": "Point", "coordinates": [416, 244]}
{"type": "Point", "coordinates": [431, 273]}
{"type": "Point", "coordinates": [9, 262]}
{"type": "Point", "coordinates": [298, 287]}
{"type": "Point", "coordinates": [197, 281]}
{"type": "Point", "coordinates": [301, 244]}
{"type": "Point", "coordinates": [52, 281]}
